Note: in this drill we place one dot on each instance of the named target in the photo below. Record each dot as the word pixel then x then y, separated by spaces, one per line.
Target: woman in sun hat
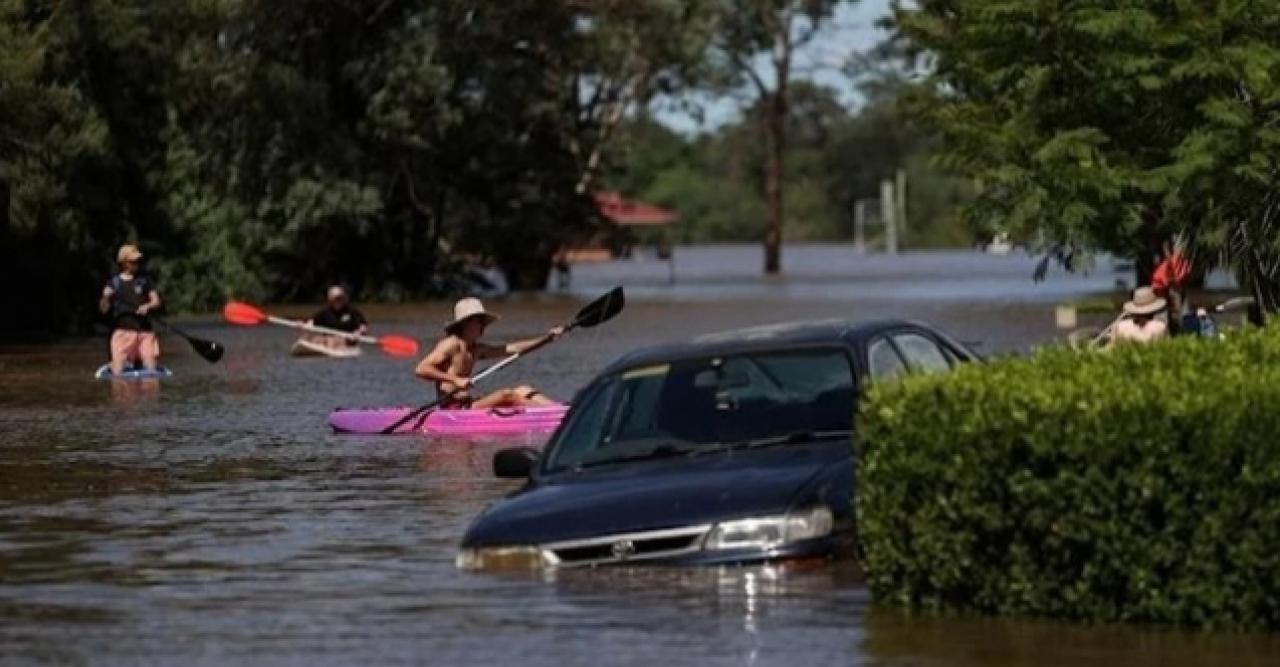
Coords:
pixel 451 362
pixel 1143 322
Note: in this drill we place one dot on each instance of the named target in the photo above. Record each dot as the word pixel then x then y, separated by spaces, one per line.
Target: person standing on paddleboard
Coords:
pixel 129 298
pixel 338 314
pixel 451 362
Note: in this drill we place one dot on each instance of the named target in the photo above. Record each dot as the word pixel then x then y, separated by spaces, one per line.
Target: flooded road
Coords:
pixel 211 518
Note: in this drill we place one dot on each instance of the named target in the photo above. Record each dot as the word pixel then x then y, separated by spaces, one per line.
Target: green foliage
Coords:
pixel 834 158
pixel 261 150
pixel 1114 126
pixel 1141 484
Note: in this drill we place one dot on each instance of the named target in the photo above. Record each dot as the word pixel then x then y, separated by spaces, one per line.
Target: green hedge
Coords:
pixel 1141 484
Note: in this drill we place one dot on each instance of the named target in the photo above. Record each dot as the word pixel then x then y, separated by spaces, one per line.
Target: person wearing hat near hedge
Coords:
pixel 129 298
pixel 1142 324
pixel 451 362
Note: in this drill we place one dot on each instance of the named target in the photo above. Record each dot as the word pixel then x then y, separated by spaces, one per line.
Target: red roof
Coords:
pixel 632 213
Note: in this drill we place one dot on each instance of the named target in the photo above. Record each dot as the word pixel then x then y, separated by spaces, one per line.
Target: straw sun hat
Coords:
pixel 466 309
pixel 1145 301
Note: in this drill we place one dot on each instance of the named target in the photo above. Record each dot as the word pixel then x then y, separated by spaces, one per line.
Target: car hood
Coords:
pixel 665 494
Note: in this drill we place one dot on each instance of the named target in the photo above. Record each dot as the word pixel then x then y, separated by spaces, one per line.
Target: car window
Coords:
pixel 695 404
pixel 923 354
pixel 884 360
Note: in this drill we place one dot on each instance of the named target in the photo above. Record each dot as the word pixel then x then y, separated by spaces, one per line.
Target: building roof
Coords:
pixel 628 213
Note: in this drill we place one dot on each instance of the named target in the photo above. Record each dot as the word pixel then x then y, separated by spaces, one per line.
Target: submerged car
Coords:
pixel 731 448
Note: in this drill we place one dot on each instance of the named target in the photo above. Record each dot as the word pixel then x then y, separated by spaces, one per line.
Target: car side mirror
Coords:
pixel 516 463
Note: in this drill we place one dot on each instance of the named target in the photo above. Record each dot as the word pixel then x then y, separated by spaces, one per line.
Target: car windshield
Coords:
pixel 698 406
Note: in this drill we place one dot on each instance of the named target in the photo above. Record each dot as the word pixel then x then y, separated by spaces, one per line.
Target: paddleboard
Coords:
pixel 540 420
pixel 132 373
pixel 306 348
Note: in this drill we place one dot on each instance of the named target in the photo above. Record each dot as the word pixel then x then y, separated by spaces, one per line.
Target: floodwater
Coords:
pixel 211 518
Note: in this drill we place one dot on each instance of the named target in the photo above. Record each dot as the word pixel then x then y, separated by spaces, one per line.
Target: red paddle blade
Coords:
pixel 398 346
pixel 243 314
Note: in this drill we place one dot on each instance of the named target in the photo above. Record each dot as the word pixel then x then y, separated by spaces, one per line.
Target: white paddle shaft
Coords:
pixel 495 368
pixel 368 340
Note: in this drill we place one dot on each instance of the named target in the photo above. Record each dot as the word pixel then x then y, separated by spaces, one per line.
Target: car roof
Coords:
pixel 765 337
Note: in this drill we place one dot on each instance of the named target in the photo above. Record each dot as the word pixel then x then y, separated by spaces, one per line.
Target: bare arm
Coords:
pixel 104 303
pixel 429 368
pixel 531 344
pixel 486 351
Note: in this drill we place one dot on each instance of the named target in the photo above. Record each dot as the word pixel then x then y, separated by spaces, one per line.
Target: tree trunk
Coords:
pixel 775 140
pixel 526 273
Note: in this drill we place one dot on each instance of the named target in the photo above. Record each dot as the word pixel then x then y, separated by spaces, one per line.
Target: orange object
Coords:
pixel 1172 273
pixel 243 314
pixel 246 315
pixel 398 346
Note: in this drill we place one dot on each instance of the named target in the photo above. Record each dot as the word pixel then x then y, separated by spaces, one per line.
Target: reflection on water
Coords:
pixel 210 518
pixel 133 393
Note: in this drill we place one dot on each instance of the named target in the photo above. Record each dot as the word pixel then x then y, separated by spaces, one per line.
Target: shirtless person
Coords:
pixel 453 359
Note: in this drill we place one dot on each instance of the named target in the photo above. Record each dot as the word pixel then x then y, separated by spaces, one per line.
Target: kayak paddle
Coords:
pixel 244 314
pixel 208 349
pixel 593 314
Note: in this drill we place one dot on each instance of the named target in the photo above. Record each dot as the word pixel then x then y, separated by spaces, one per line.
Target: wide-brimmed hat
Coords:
pixel 1145 301
pixel 128 253
pixel 466 309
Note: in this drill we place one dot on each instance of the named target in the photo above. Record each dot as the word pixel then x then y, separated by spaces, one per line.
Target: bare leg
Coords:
pixel 149 351
pixel 119 352
pixel 519 397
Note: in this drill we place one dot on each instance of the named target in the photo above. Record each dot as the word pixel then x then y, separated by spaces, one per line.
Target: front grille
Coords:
pixel 627 547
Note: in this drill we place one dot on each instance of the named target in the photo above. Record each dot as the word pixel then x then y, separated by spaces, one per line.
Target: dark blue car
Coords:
pixel 730 448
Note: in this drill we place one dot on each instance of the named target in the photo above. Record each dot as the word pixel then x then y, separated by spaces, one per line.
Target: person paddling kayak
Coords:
pixel 451 362
pixel 340 315
pixel 128 299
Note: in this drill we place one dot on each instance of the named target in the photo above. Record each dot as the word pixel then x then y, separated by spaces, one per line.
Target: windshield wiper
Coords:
pixel 657 452
pixel 794 437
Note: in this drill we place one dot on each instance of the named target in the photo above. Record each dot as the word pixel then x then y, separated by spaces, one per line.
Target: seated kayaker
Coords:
pixel 1143 322
pixel 450 364
pixel 340 315
pixel 128 299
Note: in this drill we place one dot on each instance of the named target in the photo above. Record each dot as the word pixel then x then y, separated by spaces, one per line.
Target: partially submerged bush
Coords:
pixel 1141 484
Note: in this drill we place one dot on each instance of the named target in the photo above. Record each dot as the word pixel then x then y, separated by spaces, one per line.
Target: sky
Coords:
pixel 851 31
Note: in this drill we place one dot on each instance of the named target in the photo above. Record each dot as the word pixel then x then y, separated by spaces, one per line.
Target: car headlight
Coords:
pixel 501 558
pixel 771 531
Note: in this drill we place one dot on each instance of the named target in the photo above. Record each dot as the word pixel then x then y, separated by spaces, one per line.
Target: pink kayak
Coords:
pixel 457 423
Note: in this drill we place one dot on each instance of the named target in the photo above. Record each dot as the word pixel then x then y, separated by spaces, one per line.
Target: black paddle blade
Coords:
pixel 601 310
pixel 208 349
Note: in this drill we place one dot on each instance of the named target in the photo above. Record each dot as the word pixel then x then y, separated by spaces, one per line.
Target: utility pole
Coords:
pixel 860 226
pixel 887 206
pixel 901 192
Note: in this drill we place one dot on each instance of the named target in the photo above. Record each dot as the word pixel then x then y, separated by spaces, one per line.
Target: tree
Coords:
pixel 1097 126
pixel 835 156
pixel 778 29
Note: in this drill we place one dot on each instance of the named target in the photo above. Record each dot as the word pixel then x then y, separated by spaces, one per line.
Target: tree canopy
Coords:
pixel 1114 126
pixel 261 150
pixel 835 156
